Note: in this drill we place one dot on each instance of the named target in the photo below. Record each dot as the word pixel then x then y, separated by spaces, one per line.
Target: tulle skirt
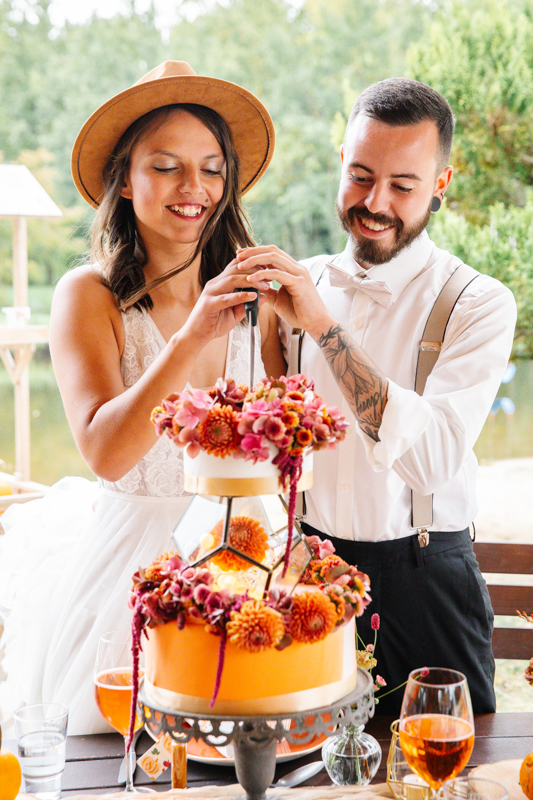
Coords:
pixel 65 573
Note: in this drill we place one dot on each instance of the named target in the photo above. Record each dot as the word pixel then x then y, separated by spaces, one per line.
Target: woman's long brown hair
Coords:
pixel 116 246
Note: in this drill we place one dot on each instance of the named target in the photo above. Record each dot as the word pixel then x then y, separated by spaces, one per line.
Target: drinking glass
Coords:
pixel 436 724
pixel 112 689
pixel 41 731
pixel 474 788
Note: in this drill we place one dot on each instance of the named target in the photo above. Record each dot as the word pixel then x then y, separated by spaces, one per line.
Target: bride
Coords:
pixel 165 162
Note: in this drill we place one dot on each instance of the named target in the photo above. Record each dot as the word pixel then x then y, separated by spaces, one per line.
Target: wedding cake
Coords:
pixel 217 640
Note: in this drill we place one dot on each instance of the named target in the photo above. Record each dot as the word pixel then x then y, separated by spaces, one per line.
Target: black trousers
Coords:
pixel 434 608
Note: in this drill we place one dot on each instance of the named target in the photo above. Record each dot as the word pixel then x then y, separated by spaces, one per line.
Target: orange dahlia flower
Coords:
pixel 290 419
pixel 153 572
pixel 294 395
pixel 304 437
pixel 247 536
pixel 313 617
pixel 218 433
pixel 255 627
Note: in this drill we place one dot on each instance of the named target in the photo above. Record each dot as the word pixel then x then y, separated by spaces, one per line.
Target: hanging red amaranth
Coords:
pixel 290 469
pixel 136 630
pixel 220 666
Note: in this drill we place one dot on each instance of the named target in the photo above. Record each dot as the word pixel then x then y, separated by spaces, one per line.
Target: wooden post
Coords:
pixel 20 261
pixel 22 417
pixel 21 196
pixel 22 382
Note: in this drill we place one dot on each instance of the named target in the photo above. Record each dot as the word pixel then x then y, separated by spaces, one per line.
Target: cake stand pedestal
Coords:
pixel 255 738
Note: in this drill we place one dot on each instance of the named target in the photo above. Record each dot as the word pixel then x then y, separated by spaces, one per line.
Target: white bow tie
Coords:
pixel 379 291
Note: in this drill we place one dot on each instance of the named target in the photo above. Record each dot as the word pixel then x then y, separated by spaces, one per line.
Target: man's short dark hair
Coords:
pixel 402 101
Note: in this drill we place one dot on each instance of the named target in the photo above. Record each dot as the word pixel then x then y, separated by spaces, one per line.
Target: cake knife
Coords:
pixel 252 308
pixel 299 775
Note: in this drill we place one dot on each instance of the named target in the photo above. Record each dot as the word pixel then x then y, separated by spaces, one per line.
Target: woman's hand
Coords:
pixel 220 306
pixel 297 301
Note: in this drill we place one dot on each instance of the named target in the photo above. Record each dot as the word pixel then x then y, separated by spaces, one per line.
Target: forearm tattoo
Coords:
pixel 362 385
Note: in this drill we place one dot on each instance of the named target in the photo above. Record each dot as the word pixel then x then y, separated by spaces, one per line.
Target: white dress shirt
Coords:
pixel 361 490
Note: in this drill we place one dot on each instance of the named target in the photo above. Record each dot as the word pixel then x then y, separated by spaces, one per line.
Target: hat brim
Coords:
pixel 249 121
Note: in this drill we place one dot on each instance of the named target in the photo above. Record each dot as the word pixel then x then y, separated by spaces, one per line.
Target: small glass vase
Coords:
pixel 351 758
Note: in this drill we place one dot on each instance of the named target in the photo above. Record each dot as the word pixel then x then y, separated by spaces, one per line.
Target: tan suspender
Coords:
pixel 428 353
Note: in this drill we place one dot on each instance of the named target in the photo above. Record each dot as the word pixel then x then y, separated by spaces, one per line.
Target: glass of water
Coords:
pixel 474 788
pixel 41 731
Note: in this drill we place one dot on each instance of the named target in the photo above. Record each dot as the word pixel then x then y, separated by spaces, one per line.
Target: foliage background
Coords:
pixel 307 60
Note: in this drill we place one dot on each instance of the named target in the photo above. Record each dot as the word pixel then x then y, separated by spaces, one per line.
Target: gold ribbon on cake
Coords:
pixel 292 702
pixel 241 487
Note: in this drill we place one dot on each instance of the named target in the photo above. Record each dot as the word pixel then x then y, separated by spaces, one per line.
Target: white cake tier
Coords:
pixel 235 477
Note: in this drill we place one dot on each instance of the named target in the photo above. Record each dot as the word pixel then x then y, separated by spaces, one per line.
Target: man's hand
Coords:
pixel 299 304
pixel 297 301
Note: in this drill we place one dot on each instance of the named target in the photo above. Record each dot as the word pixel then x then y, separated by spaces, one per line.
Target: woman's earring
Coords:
pixel 436 204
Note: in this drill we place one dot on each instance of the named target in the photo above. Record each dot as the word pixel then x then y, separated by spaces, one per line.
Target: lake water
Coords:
pixel 54 453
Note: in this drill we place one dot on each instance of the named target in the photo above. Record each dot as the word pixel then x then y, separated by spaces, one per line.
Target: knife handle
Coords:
pixel 251 306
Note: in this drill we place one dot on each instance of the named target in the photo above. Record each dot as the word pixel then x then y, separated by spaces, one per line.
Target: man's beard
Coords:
pixel 371 251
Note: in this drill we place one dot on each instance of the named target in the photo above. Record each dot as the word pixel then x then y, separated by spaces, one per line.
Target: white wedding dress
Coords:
pixel 68 559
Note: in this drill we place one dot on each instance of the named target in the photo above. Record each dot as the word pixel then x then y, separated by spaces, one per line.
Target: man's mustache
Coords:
pixel 380 219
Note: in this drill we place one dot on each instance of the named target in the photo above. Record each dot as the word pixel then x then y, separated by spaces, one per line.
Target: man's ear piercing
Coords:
pixel 436 204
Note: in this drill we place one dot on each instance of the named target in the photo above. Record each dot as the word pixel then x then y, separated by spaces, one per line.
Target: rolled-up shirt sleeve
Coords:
pixel 426 440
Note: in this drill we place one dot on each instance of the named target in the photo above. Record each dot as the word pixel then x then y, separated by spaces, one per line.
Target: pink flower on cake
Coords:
pixel 228 393
pixel 190 439
pixel 274 429
pixel 200 594
pixel 254 447
pixel 320 547
pixel 192 408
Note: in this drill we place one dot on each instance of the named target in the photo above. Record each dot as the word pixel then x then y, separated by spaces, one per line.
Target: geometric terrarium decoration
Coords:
pixel 243 540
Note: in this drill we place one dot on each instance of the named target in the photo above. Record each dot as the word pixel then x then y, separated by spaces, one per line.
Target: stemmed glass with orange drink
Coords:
pixel 112 689
pixel 436 724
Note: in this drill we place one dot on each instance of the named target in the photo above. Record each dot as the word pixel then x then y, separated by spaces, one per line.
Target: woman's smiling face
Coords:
pixel 175 181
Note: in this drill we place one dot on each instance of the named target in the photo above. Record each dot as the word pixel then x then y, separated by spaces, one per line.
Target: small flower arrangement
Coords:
pixel 170 590
pixel 366 658
pixel 232 420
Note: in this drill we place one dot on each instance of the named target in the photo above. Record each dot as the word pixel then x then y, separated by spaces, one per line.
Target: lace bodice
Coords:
pixel 160 472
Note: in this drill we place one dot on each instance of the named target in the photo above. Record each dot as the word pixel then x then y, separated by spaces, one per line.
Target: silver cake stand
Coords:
pixel 255 738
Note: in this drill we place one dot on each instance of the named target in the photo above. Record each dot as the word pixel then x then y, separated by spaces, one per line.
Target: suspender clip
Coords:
pixel 423 536
pixel 430 347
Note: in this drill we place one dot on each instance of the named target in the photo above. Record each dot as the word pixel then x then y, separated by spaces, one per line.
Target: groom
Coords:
pixel 363 312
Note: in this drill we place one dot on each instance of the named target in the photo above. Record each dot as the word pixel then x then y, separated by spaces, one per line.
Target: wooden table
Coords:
pixel 93 761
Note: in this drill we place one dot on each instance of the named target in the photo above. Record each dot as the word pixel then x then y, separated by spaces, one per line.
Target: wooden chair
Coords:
pixel 512 559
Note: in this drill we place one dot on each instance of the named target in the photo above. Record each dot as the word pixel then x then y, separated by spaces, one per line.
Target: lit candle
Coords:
pixel 416 787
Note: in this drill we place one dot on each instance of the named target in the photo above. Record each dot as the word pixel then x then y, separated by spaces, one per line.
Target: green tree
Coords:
pixel 480 56
pixel 299 63
pixel 503 248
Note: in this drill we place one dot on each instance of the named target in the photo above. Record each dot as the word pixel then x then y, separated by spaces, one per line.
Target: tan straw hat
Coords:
pixel 173 82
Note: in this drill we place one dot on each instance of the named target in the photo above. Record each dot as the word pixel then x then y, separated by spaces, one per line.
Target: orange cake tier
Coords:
pixel 180 670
